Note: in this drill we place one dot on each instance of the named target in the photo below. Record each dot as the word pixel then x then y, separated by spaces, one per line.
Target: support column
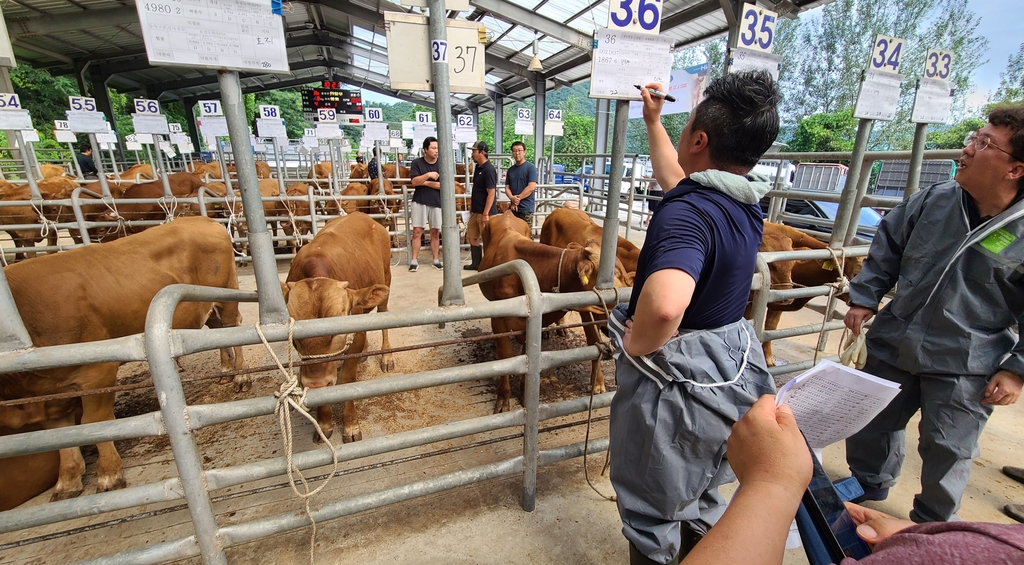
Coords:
pixel 609 237
pixel 600 141
pixel 499 123
pixel 190 121
pixel 539 112
pixel 845 226
pixel 916 161
pixel 451 291
pixel 99 92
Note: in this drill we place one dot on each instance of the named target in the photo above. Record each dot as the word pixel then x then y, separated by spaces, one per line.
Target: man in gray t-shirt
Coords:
pixel 520 182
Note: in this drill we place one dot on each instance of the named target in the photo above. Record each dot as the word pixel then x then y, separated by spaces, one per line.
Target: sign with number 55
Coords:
pixel 641 16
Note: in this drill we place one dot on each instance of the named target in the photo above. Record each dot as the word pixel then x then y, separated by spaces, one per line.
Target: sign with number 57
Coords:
pixel 641 16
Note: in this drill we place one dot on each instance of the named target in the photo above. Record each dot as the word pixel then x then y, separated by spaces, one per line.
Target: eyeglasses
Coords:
pixel 519 151
pixel 982 143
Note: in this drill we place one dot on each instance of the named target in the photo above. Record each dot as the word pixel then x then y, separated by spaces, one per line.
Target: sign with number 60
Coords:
pixel 937 64
pixel 886 54
pixel 374 115
pixel 642 16
pixel 143 106
pixel 757 28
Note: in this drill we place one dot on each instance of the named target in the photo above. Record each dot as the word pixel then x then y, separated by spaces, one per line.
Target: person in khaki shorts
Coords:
pixel 483 204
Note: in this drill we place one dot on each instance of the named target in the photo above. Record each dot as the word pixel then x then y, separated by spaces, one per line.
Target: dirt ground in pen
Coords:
pixel 478 524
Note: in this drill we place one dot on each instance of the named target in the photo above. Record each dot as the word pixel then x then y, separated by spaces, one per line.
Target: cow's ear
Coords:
pixel 285 288
pixel 342 284
pixel 587 269
pixel 370 297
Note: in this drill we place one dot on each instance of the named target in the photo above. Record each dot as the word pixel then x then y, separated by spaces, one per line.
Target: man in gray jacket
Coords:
pixel 955 253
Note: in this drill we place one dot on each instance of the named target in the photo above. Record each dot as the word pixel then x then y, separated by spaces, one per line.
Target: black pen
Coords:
pixel 657 93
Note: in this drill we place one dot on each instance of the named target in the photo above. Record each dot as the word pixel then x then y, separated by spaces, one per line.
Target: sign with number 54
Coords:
pixel 641 16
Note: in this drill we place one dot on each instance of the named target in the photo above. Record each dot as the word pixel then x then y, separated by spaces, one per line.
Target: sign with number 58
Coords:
pixel 641 16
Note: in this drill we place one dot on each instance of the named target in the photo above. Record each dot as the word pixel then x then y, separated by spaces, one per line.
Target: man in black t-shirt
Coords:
pixel 86 163
pixel 483 204
pixel 426 203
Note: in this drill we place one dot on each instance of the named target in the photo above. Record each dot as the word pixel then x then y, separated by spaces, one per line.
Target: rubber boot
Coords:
pixel 477 253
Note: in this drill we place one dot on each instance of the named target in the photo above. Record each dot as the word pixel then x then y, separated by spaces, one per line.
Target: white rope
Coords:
pixel 833 288
pixel 47 224
pixel 291 397
pixel 558 283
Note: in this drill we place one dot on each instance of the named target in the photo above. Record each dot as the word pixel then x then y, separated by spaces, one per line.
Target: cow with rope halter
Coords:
pixel 345 270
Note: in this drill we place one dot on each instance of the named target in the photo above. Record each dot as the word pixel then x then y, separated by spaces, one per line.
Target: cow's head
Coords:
pixel 322 297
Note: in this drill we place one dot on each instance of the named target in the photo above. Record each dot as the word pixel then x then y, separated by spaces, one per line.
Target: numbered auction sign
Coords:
pixel 327 115
pixel 175 128
pixel 143 106
pixel 373 114
pixel 938 64
pixel 757 28
pixel 524 114
pixel 82 103
pixel 395 134
pixel 554 115
pixel 61 124
pixel 886 54
pixel 210 108
pixel 268 112
pixel 9 101
pixel 465 121
pixel 424 118
pixel 641 16
pixel 438 51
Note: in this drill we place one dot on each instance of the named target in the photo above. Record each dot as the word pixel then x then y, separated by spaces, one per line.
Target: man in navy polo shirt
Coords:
pixel 690 365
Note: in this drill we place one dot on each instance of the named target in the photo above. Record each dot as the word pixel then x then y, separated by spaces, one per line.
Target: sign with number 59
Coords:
pixel 641 16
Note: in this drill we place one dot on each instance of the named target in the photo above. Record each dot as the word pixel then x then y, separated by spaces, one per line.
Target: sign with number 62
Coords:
pixel 465 121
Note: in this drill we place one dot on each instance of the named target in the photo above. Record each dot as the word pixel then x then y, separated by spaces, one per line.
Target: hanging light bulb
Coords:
pixel 535 61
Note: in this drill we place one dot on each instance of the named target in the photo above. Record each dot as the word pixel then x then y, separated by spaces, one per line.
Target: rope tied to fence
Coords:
pixel 607 350
pixel 168 209
pixel 834 288
pixel 292 396
pixel 46 223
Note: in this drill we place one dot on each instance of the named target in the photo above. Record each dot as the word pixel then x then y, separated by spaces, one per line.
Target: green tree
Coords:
pixel 952 137
pixel 825 132
pixel 290 103
pixel 578 134
pixel 1011 81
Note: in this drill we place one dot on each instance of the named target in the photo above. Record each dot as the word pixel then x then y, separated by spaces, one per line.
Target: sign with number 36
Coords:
pixel 641 16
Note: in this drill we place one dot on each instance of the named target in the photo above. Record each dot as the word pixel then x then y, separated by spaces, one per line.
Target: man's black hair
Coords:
pixel 740 116
pixel 519 143
pixel 427 141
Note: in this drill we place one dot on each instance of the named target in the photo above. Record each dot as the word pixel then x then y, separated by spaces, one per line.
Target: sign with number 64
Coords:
pixel 554 115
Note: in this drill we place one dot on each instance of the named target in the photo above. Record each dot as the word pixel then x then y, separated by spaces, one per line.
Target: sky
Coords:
pixel 997 24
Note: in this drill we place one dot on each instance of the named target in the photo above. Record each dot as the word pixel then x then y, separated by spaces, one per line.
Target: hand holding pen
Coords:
pixel 652 104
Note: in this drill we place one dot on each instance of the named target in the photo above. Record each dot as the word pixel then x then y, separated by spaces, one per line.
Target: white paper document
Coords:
pixel 831 402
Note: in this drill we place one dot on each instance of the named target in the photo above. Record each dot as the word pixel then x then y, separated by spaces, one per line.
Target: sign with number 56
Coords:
pixel 641 16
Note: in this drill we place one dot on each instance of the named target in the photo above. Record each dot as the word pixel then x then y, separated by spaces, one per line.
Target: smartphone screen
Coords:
pixel 833 522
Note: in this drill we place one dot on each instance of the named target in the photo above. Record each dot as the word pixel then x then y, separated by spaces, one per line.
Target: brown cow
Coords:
pixel 26 476
pixel 50 171
pixel 572 269
pixel 183 185
pixel 106 291
pixel 207 171
pixel 135 173
pixel 272 207
pixel 297 209
pixel 790 274
pixel 358 171
pixel 262 170
pixel 53 188
pixel 345 270
pixel 566 225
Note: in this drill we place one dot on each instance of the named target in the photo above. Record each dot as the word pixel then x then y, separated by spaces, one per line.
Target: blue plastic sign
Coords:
pixel 641 16
pixel 757 28
pixel 887 54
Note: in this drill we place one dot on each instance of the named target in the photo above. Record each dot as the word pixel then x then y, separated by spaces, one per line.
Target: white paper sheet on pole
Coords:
pixel 423 131
pixel 271 128
pixel 15 119
pixel 524 127
pixel 106 147
pixel 179 138
pixel 151 123
pixel 310 141
pixel 133 146
pixel 66 136
pixel 397 143
pixel 375 131
pixel 743 59
pixel 408 129
pixel 464 135
pixel 213 126
pixel 144 138
pixel 932 102
pixel 623 59
pixel 106 137
pixel 329 131
pixel 234 34
pixel 552 127
pixel 879 96
pixel 30 135
pixel 183 147
pixel 86 122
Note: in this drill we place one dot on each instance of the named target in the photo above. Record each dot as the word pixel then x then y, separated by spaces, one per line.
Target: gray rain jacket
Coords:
pixel 958 291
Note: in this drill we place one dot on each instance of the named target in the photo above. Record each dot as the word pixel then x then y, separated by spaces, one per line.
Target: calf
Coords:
pixel 53 188
pixel 105 293
pixel 802 273
pixel 345 270
pixel 572 269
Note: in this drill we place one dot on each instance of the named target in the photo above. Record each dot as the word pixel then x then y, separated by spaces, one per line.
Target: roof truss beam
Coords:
pixel 518 15
pixel 80 21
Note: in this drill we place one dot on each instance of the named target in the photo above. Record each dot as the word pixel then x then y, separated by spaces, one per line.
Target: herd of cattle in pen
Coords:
pixel 345 269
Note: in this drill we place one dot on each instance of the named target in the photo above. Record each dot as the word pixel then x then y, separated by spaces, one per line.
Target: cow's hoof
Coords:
pixel 356 435
pixel 327 434
pixel 66 493
pixel 242 385
pixel 225 380
pixel 112 482
pixel 387 363
pixel 501 406
pixel 598 389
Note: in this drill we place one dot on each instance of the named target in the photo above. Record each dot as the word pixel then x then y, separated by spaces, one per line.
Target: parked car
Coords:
pixel 868 223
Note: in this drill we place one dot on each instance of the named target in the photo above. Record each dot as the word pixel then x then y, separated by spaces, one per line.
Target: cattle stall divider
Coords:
pixel 160 346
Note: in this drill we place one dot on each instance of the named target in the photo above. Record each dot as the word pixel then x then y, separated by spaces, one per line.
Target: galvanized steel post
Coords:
pixel 849 200
pixel 98 161
pixel 272 307
pixel 610 233
pixel 451 294
pixel 30 176
pixel 161 168
pixel 916 160
pixel 174 408
pixel 499 123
